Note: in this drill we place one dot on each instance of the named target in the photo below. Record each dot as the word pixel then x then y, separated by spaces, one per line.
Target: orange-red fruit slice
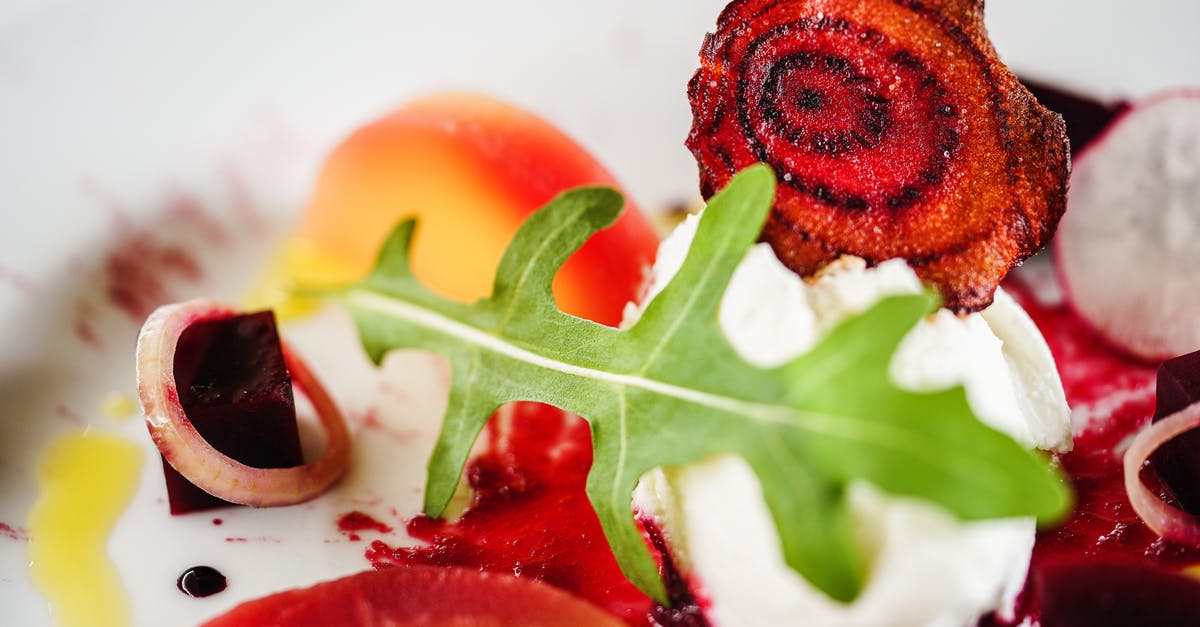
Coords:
pixel 471 169
pixel 419 595
pixel 895 132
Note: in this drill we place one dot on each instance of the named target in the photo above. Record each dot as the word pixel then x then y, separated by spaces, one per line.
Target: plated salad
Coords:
pixel 826 397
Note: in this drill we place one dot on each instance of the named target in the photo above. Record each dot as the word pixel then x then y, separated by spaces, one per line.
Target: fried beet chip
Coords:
pixel 895 132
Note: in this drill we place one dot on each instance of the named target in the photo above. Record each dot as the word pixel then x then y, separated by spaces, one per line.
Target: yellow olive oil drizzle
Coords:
pixel 86 480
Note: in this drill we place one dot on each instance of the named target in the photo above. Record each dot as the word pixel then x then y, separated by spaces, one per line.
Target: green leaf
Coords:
pixel 671 390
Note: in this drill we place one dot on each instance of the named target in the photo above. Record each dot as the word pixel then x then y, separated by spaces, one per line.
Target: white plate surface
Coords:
pixel 116 117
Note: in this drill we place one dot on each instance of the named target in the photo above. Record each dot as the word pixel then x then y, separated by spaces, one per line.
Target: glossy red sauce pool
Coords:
pixel 530 516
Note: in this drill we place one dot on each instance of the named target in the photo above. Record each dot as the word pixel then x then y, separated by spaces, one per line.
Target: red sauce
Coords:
pixel 530 516
pixel 139 272
pixel 17 281
pixel 85 331
pixel 70 415
pixel 13 533
pixel 1112 397
pixel 182 208
pixel 144 267
pixel 351 523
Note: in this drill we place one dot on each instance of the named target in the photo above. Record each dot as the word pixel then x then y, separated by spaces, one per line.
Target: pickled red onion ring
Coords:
pixel 190 454
pixel 1168 521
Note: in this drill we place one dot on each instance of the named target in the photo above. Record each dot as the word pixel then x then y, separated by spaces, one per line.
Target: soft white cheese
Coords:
pixel 926 567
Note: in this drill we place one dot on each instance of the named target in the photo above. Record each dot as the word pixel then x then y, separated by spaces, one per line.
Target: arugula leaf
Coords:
pixel 671 390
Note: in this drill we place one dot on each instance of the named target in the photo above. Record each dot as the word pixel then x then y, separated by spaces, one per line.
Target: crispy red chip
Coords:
pixel 894 130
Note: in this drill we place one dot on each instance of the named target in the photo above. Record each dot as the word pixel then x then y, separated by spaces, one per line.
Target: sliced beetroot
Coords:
pixel 234 387
pixel 1128 246
pixel 895 131
pixel 1087 593
pixel 1086 117
pixel 1178 462
pixel 420 595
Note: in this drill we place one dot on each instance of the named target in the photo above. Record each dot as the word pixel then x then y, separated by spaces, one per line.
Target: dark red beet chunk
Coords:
pixel 1178 462
pixel 1087 593
pixel 236 390
pixel 1086 118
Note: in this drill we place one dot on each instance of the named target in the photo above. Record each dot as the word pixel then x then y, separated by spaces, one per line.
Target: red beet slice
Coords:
pixel 1087 593
pixel 895 130
pixel 1128 246
pixel 1178 462
pixel 235 388
pixel 420 595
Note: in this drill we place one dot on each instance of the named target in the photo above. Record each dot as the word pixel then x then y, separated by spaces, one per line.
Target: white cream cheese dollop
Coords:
pixel 925 568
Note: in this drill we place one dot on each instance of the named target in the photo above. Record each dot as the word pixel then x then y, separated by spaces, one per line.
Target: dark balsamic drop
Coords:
pixel 201 581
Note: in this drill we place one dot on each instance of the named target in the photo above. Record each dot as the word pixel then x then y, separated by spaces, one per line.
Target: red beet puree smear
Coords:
pixel 351 523
pixel 1102 555
pixel 530 516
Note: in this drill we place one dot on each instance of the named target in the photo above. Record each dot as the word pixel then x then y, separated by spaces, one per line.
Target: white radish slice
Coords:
pixel 190 454
pixel 1128 248
pixel 1168 521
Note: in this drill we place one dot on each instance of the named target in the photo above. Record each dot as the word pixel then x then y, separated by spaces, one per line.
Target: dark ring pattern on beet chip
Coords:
pixel 894 130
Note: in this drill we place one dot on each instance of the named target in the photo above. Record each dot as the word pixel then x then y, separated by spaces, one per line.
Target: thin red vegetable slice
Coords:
pixel 1168 521
pixel 425 596
pixel 190 454
pixel 895 130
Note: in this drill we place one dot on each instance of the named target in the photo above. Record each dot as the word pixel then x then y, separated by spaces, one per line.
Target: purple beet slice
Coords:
pixel 1178 462
pixel 235 388
pixel 1087 593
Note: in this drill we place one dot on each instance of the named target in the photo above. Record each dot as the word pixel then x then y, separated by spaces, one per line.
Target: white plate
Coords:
pixel 114 118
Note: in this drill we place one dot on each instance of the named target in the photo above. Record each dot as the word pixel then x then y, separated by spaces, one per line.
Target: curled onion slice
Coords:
pixel 1168 521
pixel 189 453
